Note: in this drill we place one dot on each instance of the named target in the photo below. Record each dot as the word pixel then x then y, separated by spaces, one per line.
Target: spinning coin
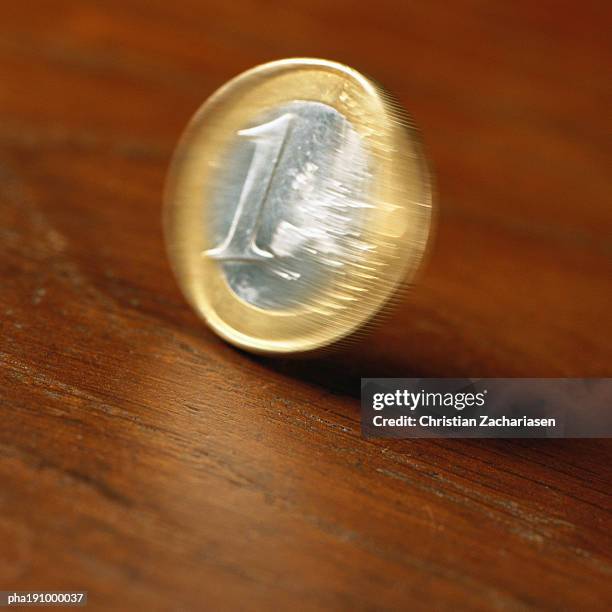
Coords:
pixel 297 206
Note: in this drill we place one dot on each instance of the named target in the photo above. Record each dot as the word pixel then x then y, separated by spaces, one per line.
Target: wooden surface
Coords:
pixel 146 461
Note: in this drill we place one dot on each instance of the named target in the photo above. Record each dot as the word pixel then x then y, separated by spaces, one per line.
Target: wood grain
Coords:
pixel 147 462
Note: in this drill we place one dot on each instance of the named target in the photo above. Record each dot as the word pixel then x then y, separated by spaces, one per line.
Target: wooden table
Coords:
pixel 146 461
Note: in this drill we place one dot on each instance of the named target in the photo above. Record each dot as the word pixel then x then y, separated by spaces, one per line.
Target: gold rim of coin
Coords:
pixel 397 226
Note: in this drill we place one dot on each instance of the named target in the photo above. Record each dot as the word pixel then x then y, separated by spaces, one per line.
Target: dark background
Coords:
pixel 146 461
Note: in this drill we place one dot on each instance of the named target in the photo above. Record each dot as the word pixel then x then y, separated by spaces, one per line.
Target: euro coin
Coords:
pixel 298 205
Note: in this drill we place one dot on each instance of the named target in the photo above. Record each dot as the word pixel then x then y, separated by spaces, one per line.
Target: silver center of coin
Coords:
pixel 287 211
